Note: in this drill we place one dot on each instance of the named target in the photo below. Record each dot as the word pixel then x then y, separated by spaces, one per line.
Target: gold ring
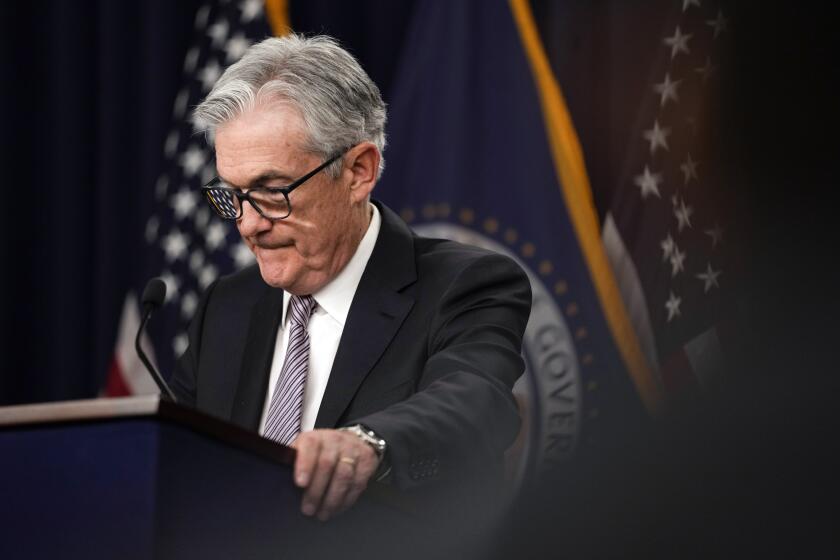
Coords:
pixel 349 460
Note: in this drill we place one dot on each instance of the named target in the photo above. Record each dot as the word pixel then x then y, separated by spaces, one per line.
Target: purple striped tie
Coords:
pixel 283 422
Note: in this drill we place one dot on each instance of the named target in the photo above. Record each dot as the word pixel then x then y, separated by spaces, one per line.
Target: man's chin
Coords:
pixel 272 273
pixel 273 278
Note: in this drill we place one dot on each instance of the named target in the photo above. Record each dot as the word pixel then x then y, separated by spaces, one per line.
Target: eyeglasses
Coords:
pixel 271 202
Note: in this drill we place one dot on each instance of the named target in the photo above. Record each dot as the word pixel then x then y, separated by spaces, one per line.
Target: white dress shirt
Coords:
pixel 325 328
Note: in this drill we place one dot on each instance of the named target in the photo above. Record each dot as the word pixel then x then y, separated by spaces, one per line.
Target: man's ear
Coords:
pixel 362 160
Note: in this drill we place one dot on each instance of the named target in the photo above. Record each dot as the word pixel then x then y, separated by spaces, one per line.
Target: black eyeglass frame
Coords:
pixel 246 196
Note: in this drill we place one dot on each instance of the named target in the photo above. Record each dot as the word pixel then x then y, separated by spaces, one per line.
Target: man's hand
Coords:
pixel 333 467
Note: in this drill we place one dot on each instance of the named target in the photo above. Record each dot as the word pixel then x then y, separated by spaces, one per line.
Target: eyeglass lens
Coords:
pixel 272 205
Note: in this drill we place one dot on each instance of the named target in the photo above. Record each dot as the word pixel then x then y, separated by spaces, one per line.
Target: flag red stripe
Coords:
pixel 115 385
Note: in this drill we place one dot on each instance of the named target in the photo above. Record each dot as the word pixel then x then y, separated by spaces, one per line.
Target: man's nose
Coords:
pixel 252 222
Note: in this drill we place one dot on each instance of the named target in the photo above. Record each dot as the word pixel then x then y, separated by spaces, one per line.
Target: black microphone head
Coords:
pixel 154 293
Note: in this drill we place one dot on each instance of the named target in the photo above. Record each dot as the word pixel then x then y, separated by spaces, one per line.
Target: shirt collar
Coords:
pixel 335 298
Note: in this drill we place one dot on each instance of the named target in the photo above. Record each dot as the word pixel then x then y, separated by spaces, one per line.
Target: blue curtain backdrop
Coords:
pixel 87 101
pixel 87 92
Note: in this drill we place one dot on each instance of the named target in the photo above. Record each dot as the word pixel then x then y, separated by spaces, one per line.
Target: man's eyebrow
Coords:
pixel 262 178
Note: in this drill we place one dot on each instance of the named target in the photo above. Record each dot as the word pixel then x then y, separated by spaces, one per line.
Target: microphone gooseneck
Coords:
pixel 153 295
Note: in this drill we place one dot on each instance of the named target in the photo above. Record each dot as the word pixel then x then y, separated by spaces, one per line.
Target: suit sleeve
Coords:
pixel 463 414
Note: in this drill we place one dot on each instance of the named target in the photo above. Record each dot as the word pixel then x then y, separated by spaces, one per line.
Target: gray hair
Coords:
pixel 339 103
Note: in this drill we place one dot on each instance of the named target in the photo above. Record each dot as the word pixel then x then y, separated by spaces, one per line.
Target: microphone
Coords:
pixel 153 295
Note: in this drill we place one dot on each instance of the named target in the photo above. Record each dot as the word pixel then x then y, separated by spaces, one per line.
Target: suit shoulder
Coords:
pixel 444 256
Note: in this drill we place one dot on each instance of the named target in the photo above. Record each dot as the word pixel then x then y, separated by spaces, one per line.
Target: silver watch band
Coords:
pixel 370 437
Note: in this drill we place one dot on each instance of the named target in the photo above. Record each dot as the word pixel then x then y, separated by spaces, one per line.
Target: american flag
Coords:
pixel 668 221
pixel 186 244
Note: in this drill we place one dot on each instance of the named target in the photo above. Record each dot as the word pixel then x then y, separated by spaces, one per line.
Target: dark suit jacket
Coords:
pixel 427 358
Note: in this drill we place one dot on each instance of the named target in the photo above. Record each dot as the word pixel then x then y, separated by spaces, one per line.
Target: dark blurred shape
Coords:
pixel 749 472
pixel 748 468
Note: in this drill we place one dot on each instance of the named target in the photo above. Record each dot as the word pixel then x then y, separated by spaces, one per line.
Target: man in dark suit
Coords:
pixel 375 353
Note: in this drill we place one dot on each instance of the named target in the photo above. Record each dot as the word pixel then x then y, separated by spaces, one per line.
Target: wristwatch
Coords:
pixel 370 437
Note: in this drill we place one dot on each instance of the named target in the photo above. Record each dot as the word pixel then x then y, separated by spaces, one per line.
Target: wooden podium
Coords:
pixel 145 478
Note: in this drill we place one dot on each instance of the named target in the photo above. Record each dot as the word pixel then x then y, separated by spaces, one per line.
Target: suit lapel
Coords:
pixel 377 311
pixel 256 361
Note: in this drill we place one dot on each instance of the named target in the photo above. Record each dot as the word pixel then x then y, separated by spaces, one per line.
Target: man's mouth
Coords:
pixel 273 246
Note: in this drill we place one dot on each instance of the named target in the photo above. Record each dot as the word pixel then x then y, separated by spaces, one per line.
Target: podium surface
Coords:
pixel 142 477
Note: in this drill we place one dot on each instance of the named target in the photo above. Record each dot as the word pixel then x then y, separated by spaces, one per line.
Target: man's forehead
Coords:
pixel 259 141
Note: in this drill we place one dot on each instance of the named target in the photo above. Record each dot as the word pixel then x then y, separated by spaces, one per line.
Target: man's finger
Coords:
pixel 343 480
pixel 365 467
pixel 324 465
pixel 308 448
pixel 364 473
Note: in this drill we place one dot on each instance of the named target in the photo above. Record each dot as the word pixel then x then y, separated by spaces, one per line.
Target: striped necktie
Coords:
pixel 283 422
